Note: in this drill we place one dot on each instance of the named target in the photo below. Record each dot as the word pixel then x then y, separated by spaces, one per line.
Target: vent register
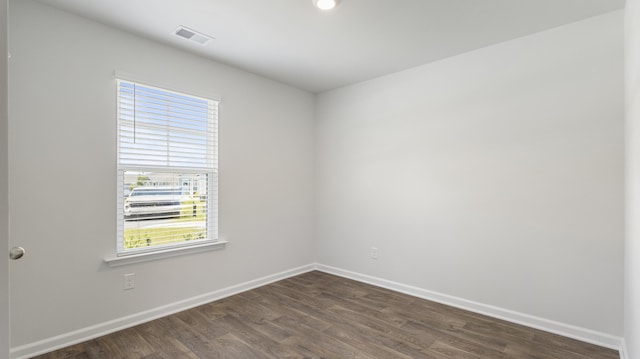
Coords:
pixel 193 35
pixel 202 39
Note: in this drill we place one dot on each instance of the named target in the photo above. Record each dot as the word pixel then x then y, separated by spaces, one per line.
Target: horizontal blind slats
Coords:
pixel 127 87
pixel 144 116
pixel 163 128
pixel 171 138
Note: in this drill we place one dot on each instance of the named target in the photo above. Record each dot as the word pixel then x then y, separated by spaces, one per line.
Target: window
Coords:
pixel 167 169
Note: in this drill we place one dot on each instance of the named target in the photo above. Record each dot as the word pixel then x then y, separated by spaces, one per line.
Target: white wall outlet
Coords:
pixel 374 253
pixel 129 281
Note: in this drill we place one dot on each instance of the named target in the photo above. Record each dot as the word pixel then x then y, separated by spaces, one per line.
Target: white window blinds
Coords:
pixel 167 168
pixel 161 128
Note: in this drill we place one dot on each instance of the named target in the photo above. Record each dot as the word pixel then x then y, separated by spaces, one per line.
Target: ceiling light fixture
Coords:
pixel 325 4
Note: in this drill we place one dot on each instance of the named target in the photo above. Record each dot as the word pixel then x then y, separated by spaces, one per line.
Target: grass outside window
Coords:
pixel 190 225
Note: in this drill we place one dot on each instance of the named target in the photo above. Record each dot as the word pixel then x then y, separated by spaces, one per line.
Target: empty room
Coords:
pixel 320 179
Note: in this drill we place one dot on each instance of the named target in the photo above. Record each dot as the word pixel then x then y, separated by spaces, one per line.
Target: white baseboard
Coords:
pixel 624 354
pixel 95 331
pixel 567 330
pixel 81 335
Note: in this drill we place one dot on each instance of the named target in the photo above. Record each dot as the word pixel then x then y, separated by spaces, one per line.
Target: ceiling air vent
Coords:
pixel 192 35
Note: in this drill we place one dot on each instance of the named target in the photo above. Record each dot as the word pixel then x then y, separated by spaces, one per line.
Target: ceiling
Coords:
pixel 293 42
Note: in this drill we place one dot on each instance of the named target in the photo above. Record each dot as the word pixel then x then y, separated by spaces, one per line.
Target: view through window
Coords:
pixel 167 169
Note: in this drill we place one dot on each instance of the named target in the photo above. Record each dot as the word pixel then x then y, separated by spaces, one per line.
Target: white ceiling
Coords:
pixel 295 43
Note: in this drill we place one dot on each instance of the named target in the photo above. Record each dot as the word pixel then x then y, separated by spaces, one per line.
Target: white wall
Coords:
pixel 62 174
pixel 632 250
pixel 495 176
pixel 4 186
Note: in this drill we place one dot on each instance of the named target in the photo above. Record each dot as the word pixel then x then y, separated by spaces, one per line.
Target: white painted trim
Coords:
pixel 88 333
pixel 81 335
pixel 567 330
pixel 197 92
pixel 624 354
pixel 166 253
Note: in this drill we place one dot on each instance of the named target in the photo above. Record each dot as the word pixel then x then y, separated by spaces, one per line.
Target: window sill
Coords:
pixel 167 253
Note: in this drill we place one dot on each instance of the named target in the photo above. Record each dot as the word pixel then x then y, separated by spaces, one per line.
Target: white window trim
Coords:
pixel 166 253
pixel 122 75
pixel 117 259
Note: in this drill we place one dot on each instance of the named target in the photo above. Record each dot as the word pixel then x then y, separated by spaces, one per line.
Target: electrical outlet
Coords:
pixel 129 281
pixel 374 253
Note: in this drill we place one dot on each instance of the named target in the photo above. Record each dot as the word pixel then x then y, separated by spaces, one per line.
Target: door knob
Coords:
pixel 16 253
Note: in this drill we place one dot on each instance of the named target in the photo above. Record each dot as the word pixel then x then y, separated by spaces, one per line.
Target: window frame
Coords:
pixel 212 240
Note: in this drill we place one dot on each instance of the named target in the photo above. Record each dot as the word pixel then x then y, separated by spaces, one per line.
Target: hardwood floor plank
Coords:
pixel 161 337
pixel 385 315
pixel 448 351
pixel 249 333
pixel 572 345
pixel 234 347
pixel 68 352
pixel 122 344
pixel 382 345
pixel 328 344
pixel 307 349
pixel 375 325
pixel 197 326
pixel 369 346
pixel 318 315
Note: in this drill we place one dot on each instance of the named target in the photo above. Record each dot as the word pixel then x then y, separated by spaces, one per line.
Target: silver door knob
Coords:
pixel 16 253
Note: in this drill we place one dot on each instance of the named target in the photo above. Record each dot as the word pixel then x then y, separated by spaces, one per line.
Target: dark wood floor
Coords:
pixel 317 315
